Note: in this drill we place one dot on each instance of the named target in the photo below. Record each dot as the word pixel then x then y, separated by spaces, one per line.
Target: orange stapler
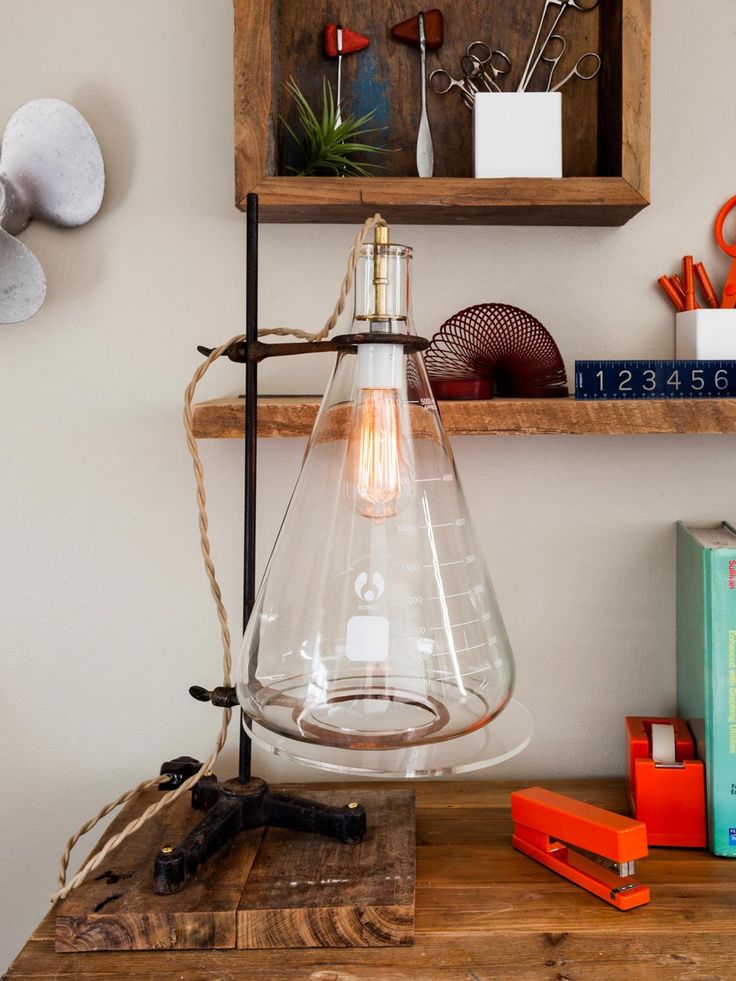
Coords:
pixel 593 848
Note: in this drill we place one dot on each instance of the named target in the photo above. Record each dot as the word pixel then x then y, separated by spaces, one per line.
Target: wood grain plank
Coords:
pixel 118 909
pixel 277 416
pixel 306 891
pixel 253 79
pixel 636 121
pixel 597 201
pixel 291 417
pixel 534 417
pixel 614 952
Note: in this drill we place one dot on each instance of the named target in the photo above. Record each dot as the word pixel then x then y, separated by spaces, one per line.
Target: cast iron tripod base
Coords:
pixel 233 807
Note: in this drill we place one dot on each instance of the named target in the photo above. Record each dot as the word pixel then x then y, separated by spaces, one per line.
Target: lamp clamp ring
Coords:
pixel 257 351
pixel 408 341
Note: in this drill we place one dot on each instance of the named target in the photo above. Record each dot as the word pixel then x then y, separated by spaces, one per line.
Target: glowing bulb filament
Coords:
pixel 376 468
pixel 378 478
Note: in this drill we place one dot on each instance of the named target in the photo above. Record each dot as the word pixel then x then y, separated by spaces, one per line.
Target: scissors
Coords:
pixel 577 72
pixel 536 52
pixel 478 63
pixel 441 81
pixel 728 300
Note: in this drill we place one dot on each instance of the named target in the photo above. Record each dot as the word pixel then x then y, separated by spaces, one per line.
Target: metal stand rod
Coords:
pixel 245 802
pixel 251 450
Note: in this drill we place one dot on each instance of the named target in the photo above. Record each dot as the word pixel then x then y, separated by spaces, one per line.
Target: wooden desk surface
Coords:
pixel 483 911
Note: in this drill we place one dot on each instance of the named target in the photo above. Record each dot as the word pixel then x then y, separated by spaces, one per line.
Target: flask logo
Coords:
pixel 369 590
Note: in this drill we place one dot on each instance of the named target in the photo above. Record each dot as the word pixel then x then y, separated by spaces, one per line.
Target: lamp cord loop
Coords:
pixel 97 858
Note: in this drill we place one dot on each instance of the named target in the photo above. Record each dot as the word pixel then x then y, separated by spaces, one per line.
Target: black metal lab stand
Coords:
pixel 245 802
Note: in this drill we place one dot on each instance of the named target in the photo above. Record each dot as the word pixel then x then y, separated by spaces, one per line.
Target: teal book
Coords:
pixel 706 666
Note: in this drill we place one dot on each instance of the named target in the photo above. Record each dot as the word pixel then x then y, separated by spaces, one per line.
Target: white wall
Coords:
pixel 106 616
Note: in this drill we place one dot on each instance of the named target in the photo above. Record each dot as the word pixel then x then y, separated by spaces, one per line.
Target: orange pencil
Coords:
pixel 672 293
pixel 709 294
pixel 677 283
pixel 688 282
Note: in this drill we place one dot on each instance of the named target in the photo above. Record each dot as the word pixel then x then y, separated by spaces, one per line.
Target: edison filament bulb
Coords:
pixel 379 472
pixel 376 645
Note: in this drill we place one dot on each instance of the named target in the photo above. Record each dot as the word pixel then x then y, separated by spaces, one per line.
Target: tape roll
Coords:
pixel 663 743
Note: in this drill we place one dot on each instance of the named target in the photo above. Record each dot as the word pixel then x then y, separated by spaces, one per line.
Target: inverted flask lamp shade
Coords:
pixel 376 645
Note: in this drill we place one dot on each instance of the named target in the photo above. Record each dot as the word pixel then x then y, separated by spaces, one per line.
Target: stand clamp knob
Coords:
pixel 221 697
pixel 178 771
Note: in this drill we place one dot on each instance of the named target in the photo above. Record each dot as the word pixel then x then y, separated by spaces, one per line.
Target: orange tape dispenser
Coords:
pixel 593 848
pixel 666 781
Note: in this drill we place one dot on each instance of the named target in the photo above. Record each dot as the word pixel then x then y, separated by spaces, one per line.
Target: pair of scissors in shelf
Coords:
pixel 728 300
pixel 483 63
pixel 535 55
pixel 579 71
pixel 441 82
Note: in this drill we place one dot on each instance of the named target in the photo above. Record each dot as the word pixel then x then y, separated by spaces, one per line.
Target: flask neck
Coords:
pixel 382 297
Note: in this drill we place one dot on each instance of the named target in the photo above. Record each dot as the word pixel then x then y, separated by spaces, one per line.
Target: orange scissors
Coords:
pixel 728 301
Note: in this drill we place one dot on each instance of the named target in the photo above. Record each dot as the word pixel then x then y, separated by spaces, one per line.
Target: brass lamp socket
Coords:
pixel 380 269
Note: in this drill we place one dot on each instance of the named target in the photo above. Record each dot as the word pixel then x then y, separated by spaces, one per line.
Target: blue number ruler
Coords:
pixel 655 379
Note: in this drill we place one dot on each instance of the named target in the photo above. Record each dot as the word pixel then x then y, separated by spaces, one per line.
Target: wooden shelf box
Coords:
pixel 606 121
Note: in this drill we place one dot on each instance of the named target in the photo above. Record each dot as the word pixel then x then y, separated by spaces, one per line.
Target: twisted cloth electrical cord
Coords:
pixel 167 799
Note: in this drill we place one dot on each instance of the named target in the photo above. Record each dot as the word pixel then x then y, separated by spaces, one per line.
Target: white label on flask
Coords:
pixel 367 639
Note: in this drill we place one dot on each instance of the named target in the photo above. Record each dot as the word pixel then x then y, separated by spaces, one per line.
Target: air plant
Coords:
pixel 328 148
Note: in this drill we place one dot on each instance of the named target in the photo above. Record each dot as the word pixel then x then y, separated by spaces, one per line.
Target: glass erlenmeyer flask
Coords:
pixel 376 637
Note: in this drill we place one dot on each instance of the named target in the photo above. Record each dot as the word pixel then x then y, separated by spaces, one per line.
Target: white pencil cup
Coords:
pixel 705 335
pixel 518 134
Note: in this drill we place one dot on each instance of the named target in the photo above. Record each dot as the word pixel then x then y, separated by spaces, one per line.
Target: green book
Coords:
pixel 706 666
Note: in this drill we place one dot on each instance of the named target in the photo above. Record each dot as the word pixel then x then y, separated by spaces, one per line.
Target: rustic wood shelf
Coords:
pixel 599 201
pixel 294 416
pixel 483 910
pixel 606 121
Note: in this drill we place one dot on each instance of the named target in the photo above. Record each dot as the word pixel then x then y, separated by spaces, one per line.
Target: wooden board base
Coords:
pixel 270 888
pixel 308 891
